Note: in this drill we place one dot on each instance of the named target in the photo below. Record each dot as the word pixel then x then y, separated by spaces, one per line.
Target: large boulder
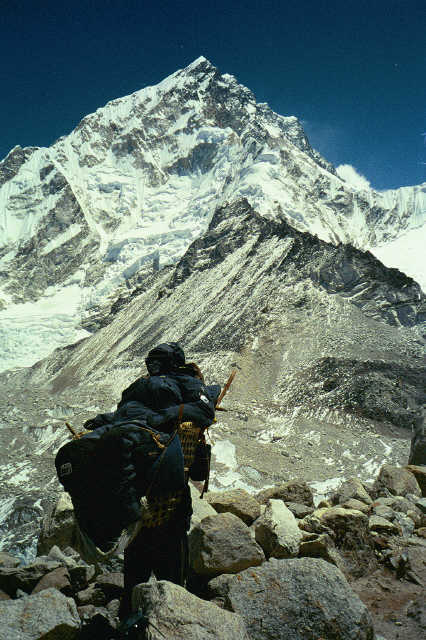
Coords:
pixel 350 526
pixel 222 544
pixel 8 561
pixel 277 531
pixel 25 578
pixel 92 595
pixel 322 546
pixel 201 508
pixel 294 600
pixel 294 491
pixel 236 501
pixel 419 472
pixel 58 527
pixel 48 614
pixel 396 481
pixel 417 454
pixel 352 488
pixel 381 525
pixel 353 503
pixel 79 571
pixel 176 614
pixel 57 579
pixel 111 583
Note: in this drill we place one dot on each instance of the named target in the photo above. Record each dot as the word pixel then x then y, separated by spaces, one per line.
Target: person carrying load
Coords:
pixel 170 407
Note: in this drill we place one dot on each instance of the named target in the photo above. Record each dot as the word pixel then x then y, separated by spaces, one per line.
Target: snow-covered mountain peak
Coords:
pixel 139 180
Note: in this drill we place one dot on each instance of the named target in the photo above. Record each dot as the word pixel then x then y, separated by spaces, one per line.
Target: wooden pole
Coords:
pixel 226 387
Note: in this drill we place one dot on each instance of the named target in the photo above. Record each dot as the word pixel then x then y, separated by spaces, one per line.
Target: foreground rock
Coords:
pixel 58 527
pixel 236 501
pixel 8 561
pixel 396 481
pixel 277 531
pixel 201 508
pixel 48 614
pixel 25 578
pixel 351 489
pixel 222 544
pixel 419 472
pixel 176 614
pixel 294 491
pixel 295 600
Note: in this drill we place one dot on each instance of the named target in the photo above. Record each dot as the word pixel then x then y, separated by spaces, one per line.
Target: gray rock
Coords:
pixel 277 531
pixel 295 491
pixel 406 524
pixel 353 503
pixel 222 544
pixel 112 584
pixel 419 472
pixel 352 488
pixel 403 505
pixel 48 614
pixel 388 501
pixel 294 600
pixel 80 572
pixel 57 579
pixel 56 553
pixel 321 547
pixel 384 512
pixel 92 595
pixel 25 578
pixel 236 501
pixel 58 527
pixel 113 607
pixel 80 575
pixel 86 611
pixel 417 454
pixel 415 517
pixel 397 480
pixel 176 614
pixel 381 525
pixel 349 526
pixel 97 623
pixel 7 560
pixel 299 510
pixel 421 504
pixel 201 508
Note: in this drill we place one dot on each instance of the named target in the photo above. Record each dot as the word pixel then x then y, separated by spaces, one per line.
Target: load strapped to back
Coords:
pixel 108 470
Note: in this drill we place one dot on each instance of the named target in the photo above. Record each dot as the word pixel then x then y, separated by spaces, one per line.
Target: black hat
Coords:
pixel 165 358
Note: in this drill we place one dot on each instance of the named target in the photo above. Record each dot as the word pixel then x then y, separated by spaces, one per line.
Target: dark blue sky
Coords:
pixel 353 71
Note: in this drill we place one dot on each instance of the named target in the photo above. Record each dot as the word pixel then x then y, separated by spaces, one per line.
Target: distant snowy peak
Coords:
pixel 139 180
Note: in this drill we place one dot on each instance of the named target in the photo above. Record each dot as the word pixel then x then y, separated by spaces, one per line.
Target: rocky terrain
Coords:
pixel 261 567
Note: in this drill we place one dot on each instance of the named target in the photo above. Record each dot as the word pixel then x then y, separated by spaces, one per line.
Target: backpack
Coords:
pixel 108 470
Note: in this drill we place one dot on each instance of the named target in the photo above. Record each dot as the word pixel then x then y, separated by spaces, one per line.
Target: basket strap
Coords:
pixel 180 414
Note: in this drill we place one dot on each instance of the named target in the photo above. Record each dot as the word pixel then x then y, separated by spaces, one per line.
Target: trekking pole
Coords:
pixel 226 387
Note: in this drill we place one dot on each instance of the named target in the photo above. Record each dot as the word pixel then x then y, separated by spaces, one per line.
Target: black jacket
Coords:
pixel 156 400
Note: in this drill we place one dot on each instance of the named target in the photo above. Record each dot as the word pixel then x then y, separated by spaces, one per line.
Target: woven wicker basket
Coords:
pixel 157 511
pixel 189 436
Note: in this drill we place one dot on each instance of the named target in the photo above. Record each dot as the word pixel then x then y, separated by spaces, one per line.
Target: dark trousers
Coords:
pixel 162 550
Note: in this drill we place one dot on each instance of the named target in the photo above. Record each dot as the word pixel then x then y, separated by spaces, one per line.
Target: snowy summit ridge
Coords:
pixel 139 180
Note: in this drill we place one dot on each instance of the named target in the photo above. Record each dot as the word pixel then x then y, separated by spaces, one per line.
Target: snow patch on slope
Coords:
pixel 30 331
pixel 409 252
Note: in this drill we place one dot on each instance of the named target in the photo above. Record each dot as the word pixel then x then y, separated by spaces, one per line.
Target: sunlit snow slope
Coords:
pixel 138 180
